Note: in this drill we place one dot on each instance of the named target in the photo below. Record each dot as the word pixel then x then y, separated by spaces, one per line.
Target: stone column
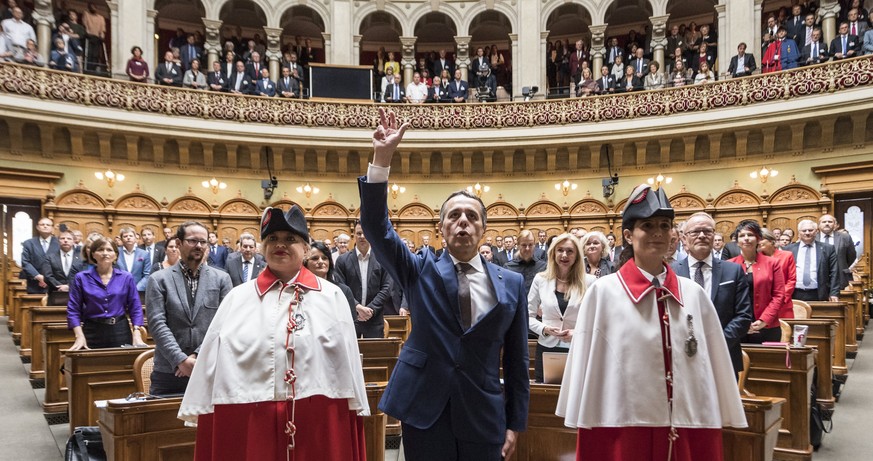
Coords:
pixel 45 23
pixel 462 55
pixel 659 38
pixel 829 10
pixel 516 86
pixel 724 44
pixel 213 44
pixel 598 47
pixel 328 45
pixel 274 50
pixel 407 58
pixel 150 45
pixel 756 30
pixel 116 61
pixel 544 75
pixel 356 49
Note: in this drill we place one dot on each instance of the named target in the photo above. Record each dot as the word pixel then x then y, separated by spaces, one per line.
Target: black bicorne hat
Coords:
pixel 274 220
pixel 645 202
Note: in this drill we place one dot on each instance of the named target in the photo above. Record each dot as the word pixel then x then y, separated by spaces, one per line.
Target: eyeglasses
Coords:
pixel 697 232
pixel 195 242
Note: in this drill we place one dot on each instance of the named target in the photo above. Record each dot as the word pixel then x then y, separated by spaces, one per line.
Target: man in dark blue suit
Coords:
pixel 446 387
pixel 34 252
pixel 265 86
pixel 458 89
pixel 217 253
pixel 133 259
pixel 189 52
pixel 722 280
pixel 817 270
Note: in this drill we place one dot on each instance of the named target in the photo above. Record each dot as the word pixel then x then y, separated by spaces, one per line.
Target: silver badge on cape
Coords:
pixel 691 341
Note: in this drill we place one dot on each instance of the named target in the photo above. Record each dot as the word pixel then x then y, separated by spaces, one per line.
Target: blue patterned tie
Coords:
pixel 807 259
pixel 246 271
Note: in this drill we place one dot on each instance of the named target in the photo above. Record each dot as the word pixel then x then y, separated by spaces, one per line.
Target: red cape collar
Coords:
pixel 637 285
pixel 267 280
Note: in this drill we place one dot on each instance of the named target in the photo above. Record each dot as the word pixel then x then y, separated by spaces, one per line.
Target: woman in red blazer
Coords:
pixel 767 245
pixel 764 275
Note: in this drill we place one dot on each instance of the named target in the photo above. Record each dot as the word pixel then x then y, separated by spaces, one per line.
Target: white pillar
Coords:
pixel 328 46
pixel 756 29
pixel 274 50
pixel 528 60
pixel 338 42
pixel 659 40
pixel 462 55
pixel 724 40
pixel 150 43
pixel 598 47
pixel 45 22
pixel 213 43
pixel 407 58
pixel 117 58
pixel 738 22
pixel 829 10
pixel 516 76
pixel 356 49
pixel 129 30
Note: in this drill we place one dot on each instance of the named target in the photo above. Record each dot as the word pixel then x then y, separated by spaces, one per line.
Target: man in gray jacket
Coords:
pixel 182 300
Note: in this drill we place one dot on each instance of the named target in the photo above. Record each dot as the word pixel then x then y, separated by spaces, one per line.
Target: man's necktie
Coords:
pixel 245 276
pixel 698 273
pixel 396 92
pixel 854 29
pixel 844 46
pixel 807 259
pixel 827 239
pixel 66 263
pixel 815 51
pixel 149 251
pixel 44 244
pixel 465 300
pixel 808 35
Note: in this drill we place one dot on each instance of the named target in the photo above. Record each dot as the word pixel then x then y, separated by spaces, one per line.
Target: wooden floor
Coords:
pixel 27 437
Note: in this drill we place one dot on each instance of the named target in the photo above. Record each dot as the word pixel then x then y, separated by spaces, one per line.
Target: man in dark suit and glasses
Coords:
pixel 155 251
pixel 446 388
pixel 182 300
pixel 817 273
pixel 369 282
pixel 61 266
pixel 723 281
pixel 844 247
pixel 245 264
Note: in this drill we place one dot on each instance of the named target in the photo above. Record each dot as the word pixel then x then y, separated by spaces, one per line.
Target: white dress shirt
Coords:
pixel 416 93
pixel 364 266
pixel 18 32
pixel 128 258
pixel 482 295
pixel 813 267
pixel 707 272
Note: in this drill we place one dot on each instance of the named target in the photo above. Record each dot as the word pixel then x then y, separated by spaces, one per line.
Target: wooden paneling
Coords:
pixel 39 318
pixel 838 311
pixel 821 335
pixel 55 339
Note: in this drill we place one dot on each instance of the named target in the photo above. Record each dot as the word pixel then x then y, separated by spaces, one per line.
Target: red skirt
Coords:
pixel 647 443
pixel 326 431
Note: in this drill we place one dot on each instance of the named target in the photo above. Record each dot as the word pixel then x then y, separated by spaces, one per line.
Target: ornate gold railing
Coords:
pixel 119 94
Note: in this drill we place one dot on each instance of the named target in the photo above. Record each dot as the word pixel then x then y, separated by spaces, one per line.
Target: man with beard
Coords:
pixel 182 300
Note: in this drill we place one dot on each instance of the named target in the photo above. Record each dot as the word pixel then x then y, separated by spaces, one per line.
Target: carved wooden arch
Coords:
pixel 588 206
pixel 330 208
pixel 190 204
pixel 137 202
pixel 726 228
pixel 782 222
pixel 285 204
pixel 543 208
pixel 240 207
pixel 793 193
pixel 737 197
pixel 416 210
pixel 687 201
pixel 80 198
pixel 501 209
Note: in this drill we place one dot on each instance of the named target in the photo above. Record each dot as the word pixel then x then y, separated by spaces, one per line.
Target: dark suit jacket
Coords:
pixel 750 63
pixel 246 86
pixel 253 72
pixel 458 90
pixel 609 87
pixel 476 63
pixel 217 258
pixel 621 86
pixel 844 247
pixel 438 67
pixel 175 73
pixel 158 254
pixel 635 61
pixel 438 94
pixel 821 56
pixel 33 261
pixel 347 271
pixel 53 269
pixel 178 327
pixel 730 250
pixel 186 56
pixel 291 86
pixel 501 258
pixel 852 44
pixel 216 78
pixel 730 295
pixel 389 93
pixel 265 87
pixel 440 363
pixel 826 267
pixel 233 266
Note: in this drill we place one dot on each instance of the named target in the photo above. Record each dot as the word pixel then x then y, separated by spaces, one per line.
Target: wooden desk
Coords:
pixel 860 323
pixel 39 318
pixel 13 283
pixel 380 352
pixel 546 437
pixel 21 330
pixel 769 376
pixel 15 294
pixel 146 431
pixel 838 311
pixel 821 336
pixel 56 339
pixel 98 374
pixel 756 442
pixel 399 326
pixel 375 425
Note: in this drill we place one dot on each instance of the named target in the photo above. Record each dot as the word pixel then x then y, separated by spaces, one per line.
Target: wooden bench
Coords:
pixel 39 318
pixel 21 330
pixel 14 293
pixel 97 374
pixel 857 290
pixel 56 338
pixel 13 283
pixel 399 326
pixel 769 376
pixel 547 438
pixel 379 352
pixel 821 335
pixel 838 311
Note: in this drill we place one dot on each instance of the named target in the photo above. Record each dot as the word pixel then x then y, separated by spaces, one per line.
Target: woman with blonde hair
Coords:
pixel 595 248
pixel 557 293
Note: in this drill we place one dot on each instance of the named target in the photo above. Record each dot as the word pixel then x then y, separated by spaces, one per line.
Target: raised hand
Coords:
pixel 386 138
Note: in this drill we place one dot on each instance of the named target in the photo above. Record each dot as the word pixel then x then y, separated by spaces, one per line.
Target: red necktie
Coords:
pixel 854 31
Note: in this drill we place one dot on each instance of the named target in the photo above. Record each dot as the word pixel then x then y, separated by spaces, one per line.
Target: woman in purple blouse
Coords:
pixel 101 301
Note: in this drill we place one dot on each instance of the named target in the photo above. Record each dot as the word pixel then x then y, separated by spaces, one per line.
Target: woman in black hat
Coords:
pixel 648 375
pixel 279 372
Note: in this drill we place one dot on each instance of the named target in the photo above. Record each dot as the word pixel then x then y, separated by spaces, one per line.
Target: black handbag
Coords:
pixel 818 416
pixel 85 444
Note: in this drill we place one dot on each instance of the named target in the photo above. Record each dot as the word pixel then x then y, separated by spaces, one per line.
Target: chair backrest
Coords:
pixel 142 370
pixel 802 310
pixel 385 326
pixel 787 332
pixel 741 383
